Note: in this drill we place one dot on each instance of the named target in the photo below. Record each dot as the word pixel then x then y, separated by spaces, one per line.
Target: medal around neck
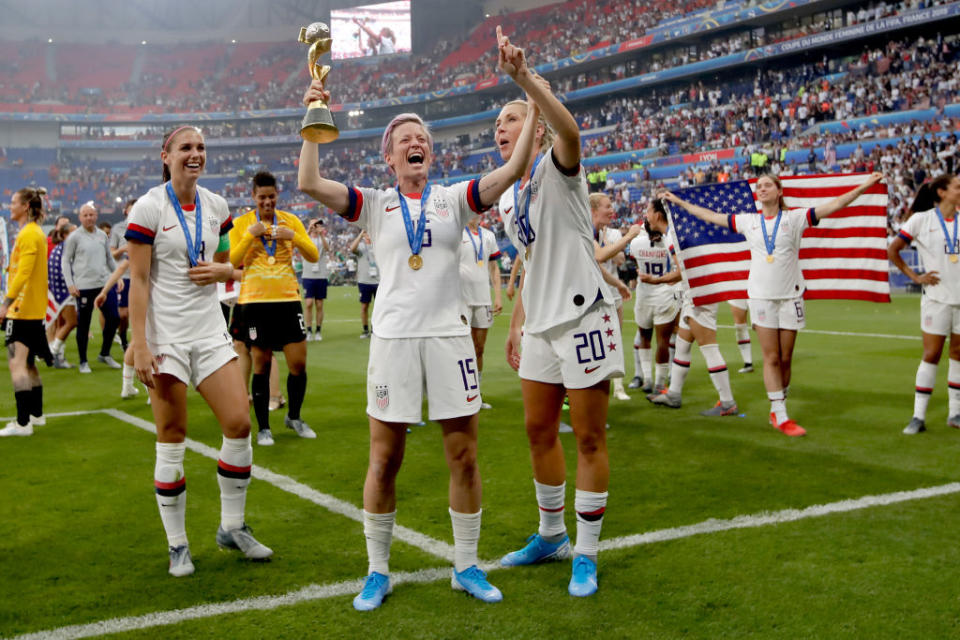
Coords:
pixel 415 238
pixel 271 247
pixel 952 243
pixel 770 241
pixel 193 250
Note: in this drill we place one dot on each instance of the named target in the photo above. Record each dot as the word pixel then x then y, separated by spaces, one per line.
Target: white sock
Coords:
pixel 680 367
pixel 590 508
pixel 56 347
pixel 466 537
pixel 637 367
pixel 743 343
pixel 953 390
pixel 926 379
pixel 550 501
pixel 171 488
pixel 778 405
pixel 618 385
pixel 646 363
pixel 378 530
pixel 128 373
pixel 660 374
pixel 719 375
pixel 233 475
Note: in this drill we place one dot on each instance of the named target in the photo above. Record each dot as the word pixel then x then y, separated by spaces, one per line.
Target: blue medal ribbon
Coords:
pixel 770 241
pixel 270 248
pixel 193 250
pixel 415 239
pixel 477 247
pixel 951 242
pixel 525 233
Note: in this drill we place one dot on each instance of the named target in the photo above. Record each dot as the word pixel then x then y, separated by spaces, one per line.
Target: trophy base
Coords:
pixel 318 125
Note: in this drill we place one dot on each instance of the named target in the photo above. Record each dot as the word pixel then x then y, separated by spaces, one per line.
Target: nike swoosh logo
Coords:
pixel 508 210
pixel 389 209
pixel 472 398
pixel 590 370
pixel 170 227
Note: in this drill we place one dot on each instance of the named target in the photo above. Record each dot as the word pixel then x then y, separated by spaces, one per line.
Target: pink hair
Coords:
pixel 386 144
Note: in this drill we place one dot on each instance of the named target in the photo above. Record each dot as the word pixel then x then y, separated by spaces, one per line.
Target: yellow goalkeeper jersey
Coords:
pixel 263 281
pixel 28 274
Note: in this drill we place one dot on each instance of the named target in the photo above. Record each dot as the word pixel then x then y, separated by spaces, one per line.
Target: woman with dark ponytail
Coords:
pixel 23 311
pixel 932 228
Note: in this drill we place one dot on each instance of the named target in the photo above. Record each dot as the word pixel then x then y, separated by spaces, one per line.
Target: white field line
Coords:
pixel 286 483
pixel 318 592
pixel 851 334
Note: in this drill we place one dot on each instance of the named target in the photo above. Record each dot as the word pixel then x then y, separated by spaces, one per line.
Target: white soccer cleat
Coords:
pixel 300 427
pixel 265 438
pixel 38 421
pixel 129 392
pixel 109 361
pixel 241 539
pixel 14 429
pixel 84 367
pixel 181 564
pixel 620 394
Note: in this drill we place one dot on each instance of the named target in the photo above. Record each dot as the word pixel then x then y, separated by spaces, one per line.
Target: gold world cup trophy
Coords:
pixel 317 125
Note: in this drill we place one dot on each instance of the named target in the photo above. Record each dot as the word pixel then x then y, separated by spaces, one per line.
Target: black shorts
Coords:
pixel 238 327
pixel 32 335
pixel 367 291
pixel 273 325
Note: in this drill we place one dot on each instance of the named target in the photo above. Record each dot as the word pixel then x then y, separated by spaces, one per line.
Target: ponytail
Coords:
pixel 33 197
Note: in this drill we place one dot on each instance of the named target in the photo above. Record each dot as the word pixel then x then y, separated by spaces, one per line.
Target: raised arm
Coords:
pixel 303 242
pixel 604 253
pixel 330 193
pixel 355 245
pixel 512 62
pixel 700 212
pixel 566 149
pixel 842 201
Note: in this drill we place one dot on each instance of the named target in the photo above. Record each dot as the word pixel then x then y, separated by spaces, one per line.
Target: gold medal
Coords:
pixel 415 262
pixel 271 260
pixel 480 263
pixel 953 257
pixel 769 258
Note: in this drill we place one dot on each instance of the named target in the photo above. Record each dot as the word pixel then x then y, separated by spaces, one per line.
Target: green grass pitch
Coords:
pixel 81 540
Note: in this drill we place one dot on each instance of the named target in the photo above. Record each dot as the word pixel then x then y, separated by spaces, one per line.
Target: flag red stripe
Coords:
pixel 799 191
pixel 720 296
pixel 858 211
pixel 713 258
pixel 846 294
pixel 849 232
pixel 853 274
pixel 812 253
pixel 713 278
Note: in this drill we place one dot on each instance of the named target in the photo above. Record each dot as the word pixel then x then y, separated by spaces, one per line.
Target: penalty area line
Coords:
pixel 317 592
pixel 416 539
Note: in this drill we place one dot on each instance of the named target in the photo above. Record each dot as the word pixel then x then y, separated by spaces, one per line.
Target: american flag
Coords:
pixel 57 292
pixel 843 258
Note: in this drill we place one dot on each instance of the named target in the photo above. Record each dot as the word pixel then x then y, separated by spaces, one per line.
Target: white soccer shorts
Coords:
pixel 656 309
pixel 401 369
pixel 787 313
pixel 480 316
pixel 192 362
pixel 939 318
pixel 577 354
pixel 705 315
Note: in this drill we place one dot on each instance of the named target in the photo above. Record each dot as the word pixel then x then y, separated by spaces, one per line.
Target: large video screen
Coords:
pixel 371 30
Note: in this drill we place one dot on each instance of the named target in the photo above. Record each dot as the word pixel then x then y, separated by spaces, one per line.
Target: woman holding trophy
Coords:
pixel 420 331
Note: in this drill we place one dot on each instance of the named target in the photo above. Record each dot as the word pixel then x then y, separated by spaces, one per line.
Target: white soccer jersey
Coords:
pixel 508 211
pixel 653 259
pixel 563 278
pixel 425 302
pixel 607 237
pixel 179 311
pixel 368 270
pixel 923 230
pixel 781 278
pixel 317 270
pixel 476 252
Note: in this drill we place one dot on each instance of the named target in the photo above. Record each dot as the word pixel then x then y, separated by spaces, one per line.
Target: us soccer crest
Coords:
pixel 383 395
pixel 443 209
pixel 253 333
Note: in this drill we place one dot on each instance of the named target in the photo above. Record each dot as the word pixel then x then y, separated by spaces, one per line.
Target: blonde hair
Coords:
pixel 596 199
pixel 549 135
